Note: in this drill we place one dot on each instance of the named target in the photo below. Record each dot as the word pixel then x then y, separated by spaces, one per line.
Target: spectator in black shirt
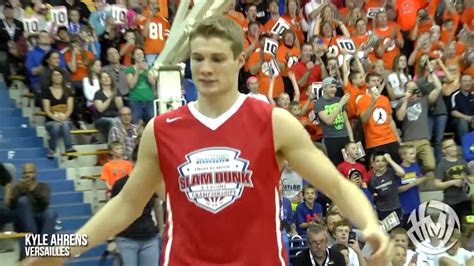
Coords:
pixel 140 243
pixel 318 252
pixel 463 107
pixel 11 30
pixel 6 183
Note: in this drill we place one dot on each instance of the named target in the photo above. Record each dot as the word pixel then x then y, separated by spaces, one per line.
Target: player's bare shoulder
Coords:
pixel 287 130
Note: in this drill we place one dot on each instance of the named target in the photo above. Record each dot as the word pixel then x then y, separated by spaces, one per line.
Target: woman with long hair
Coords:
pixel 58 103
pixel 397 79
pixel 91 83
pixel 141 83
pixel 107 101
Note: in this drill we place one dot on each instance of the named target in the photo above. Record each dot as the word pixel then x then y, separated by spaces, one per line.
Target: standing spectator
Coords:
pixel 252 85
pixel 331 219
pixel 397 79
pixel 306 71
pixel 34 60
pixel 30 201
pixel 141 83
pixel 58 103
pixel 107 101
pixel 331 111
pixel 89 42
pixel 117 167
pixel 97 18
pixel 75 24
pixel 341 232
pixel 117 71
pixel 155 30
pixel 140 243
pixel 77 59
pixel 391 38
pixel 127 133
pixel 307 211
pixel 463 107
pixel 408 186
pixel 127 48
pixel 375 112
pixel 384 185
pixel 350 164
pixel 318 251
pixel 452 176
pixel 413 112
pixel 91 83
pixel 11 31
pixel 456 255
pixel 80 6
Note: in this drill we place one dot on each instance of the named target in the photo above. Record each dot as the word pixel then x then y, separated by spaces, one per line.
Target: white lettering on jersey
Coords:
pixel 214 178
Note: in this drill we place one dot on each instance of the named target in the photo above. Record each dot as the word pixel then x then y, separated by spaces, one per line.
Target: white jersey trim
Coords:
pixel 278 227
pixel 170 231
pixel 215 123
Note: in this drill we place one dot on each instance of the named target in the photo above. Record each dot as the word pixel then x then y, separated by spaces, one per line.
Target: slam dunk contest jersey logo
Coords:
pixel 214 178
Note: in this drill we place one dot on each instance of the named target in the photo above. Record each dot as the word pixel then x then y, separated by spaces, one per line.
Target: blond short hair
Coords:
pixel 221 27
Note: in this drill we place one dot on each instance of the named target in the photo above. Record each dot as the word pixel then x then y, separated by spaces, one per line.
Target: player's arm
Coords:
pixel 145 178
pixel 294 145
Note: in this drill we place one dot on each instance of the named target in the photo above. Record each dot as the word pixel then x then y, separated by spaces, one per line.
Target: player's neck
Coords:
pixel 214 106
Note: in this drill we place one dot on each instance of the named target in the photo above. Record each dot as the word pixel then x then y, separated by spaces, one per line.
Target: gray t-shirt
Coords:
pixel 415 123
pixel 386 187
pixel 437 108
pixel 446 171
pixel 338 128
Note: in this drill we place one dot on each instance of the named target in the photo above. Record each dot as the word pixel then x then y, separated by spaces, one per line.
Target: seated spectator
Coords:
pixel 399 237
pixel 139 244
pixel 408 186
pixel 463 107
pixel 34 60
pixel 452 176
pixel 75 25
pixel 252 86
pixel 62 39
pixel 331 218
pixel 356 178
pixel 400 256
pixel 344 250
pixel 127 133
pixel 384 185
pixel 30 202
pixel 89 41
pixel 127 48
pixel 141 83
pixel 308 211
pixel 117 71
pixel 91 84
pixel 52 60
pixel 318 251
pixel 331 111
pixel 107 101
pixel 117 167
pixel 58 103
pixel 6 182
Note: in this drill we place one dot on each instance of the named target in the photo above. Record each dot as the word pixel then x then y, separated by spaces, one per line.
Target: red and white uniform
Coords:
pixel 222 181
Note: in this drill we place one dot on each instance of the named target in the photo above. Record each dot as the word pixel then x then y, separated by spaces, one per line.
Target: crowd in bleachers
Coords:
pixel 377 84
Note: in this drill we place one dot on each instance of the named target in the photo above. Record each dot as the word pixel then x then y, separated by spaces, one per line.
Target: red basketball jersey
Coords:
pixel 222 186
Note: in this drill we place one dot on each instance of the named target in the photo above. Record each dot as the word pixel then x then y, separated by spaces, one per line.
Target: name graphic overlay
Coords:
pixel 55 245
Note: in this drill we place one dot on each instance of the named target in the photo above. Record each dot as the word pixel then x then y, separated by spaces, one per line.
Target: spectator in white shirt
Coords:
pixel 252 85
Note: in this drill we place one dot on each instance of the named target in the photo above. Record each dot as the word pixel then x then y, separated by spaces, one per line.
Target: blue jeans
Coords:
pixel 104 124
pixel 28 221
pixel 141 110
pixel 462 128
pixel 138 252
pixel 56 130
pixel 437 125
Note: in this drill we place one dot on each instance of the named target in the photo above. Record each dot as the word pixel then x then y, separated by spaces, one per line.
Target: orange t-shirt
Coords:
pixel 263 74
pixel 159 29
pixel 392 51
pixel 295 27
pixel 113 170
pixel 127 57
pixel 406 13
pixel 449 35
pixel 373 4
pixel 269 25
pixel 354 93
pixel 81 68
pixel 288 56
pixel 377 130
pixel 467 17
pixel 311 124
pixel 237 17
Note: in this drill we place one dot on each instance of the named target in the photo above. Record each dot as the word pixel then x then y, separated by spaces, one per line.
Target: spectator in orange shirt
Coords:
pixel 392 40
pixel 77 59
pixel 251 15
pixel 274 15
pixel 375 113
pixel 127 48
pixel 424 23
pixel 289 55
pixel 117 167
pixel 294 16
pixel 252 39
pixel 155 30
pixel 235 15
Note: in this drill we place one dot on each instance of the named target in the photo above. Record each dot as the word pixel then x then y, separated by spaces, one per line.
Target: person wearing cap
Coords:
pixel 11 30
pixel 252 85
pixel 332 114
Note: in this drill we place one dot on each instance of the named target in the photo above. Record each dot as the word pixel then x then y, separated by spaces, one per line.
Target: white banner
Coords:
pixel 317 88
pixel 119 13
pixel 280 26
pixel 31 25
pixel 59 15
pixel 270 46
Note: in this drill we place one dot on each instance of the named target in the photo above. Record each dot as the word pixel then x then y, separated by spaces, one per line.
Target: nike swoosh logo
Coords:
pixel 171 120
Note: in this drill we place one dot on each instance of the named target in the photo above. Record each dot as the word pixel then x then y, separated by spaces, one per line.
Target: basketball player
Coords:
pixel 217 163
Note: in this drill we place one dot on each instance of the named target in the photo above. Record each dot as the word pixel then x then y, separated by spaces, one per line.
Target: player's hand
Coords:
pixel 49 261
pixel 381 245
